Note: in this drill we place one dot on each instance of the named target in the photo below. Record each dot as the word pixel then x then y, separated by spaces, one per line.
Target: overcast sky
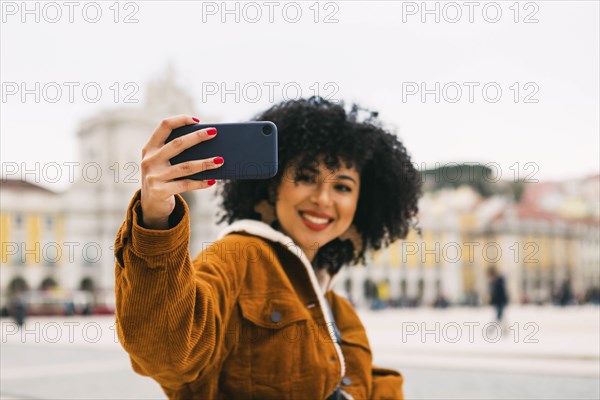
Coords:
pixel 380 54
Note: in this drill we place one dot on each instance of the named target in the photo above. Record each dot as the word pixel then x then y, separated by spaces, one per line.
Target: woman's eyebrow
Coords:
pixel 310 169
pixel 346 177
pixel 319 172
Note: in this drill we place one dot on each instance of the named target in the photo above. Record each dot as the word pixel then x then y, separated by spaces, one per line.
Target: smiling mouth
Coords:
pixel 315 222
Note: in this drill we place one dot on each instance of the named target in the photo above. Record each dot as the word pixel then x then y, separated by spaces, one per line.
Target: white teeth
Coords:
pixel 315 220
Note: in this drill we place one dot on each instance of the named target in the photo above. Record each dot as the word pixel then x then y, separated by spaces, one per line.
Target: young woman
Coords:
pixel 253 315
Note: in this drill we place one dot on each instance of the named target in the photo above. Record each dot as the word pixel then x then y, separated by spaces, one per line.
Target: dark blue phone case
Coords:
pixel 249 150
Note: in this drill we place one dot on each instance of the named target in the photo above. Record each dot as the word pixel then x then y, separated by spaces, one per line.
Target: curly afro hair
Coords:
pixel 316 129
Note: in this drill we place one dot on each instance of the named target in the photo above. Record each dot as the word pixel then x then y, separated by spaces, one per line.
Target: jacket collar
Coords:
pixel 258 228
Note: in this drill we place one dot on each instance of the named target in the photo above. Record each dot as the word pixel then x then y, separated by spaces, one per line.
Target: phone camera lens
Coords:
pixel 267 129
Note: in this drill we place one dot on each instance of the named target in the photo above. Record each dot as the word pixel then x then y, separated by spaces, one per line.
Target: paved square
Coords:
pixel 541 353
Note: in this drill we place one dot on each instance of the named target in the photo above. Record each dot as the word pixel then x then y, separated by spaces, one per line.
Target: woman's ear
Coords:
pixel 266 211
pixel 354 237
pixel 266 207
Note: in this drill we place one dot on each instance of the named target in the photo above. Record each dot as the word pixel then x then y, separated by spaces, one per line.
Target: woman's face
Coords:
pixel 319 206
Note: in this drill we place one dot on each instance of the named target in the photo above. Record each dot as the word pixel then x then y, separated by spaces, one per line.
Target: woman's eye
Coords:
pixel 344 188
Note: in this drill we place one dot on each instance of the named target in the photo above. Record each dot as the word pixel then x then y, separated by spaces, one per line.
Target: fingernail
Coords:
pixel 218 160
pixel 211 131
pixel 211 182
pixel 195 119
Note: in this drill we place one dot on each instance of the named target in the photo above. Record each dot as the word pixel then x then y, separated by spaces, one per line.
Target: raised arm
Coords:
pixel 168 319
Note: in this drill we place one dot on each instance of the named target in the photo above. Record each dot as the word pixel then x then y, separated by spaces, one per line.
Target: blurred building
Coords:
pixel 547 245
pixel 65 240
pixel 543 242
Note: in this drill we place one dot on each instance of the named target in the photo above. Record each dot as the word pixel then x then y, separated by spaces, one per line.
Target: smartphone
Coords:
pixel 249 150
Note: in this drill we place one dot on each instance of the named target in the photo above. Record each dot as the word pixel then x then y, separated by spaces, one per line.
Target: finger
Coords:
pixel 177 145
pixel 187 185
pixel 191 167
pixel 167 125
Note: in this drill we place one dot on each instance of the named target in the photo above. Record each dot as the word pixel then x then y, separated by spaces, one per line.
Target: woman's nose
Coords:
pixel 322 196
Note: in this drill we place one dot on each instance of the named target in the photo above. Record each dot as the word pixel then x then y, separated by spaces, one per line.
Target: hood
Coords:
pixel 321 279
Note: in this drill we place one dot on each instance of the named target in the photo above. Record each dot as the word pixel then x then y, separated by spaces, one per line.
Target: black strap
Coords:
pixel 337 394
pixel 336 331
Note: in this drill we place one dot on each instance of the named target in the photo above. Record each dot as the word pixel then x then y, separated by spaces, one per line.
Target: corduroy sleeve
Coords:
pixel 170 311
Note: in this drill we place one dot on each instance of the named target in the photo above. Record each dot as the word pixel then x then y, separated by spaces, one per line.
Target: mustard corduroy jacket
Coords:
pixel 245 319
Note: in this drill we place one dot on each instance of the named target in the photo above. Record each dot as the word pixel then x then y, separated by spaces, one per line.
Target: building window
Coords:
pixel 18 220
pixel 48 284
pixel 537 282
pixel 50 254
pixel 19 258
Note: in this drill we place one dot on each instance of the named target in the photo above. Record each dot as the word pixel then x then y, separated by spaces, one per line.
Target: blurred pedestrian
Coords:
pixel 565 295
pixel 19 311
pixel 498 294
pixel 383 294
pixel 348 290
pixel 441 301
pixel 370 291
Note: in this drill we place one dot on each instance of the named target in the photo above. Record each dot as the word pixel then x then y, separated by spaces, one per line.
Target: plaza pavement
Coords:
pixel 457 353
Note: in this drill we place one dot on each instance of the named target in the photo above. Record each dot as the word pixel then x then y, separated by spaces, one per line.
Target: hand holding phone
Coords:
pixel 161 180
pixel 249 150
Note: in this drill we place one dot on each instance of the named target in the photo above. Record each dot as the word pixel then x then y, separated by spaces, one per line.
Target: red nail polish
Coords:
pixel 218 160
pixel 195 119
pixel 211 182
pixel 211 131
